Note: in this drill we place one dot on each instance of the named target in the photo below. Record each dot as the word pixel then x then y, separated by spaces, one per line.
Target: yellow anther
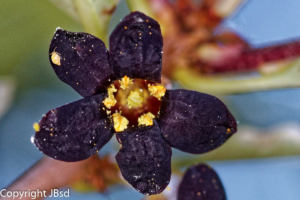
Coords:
pixel 125 82
pixel 110 101
pixel 120 122
pixel 55 57
pixel 111 89
pixel 157 91
pixel 36 127
pixel 146 119
pixel 134 99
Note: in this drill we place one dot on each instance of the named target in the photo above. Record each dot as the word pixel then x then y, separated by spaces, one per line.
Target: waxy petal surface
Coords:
pixel 84 62
pixel 145 159
pixel 136 48
pixel 75 131
pixel 195 122
pixel 201 182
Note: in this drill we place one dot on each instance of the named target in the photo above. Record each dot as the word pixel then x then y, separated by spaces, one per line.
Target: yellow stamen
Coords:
pixel 110 101
pixel 146 119
pixel 125 82
pixel 157 91
pixel 120 122
pixel 36 127
pixel 134 99
pixel 111 89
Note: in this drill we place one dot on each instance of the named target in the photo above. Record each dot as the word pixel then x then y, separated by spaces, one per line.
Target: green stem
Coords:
pixel 250 143
pixel 94 16
pixel 220 84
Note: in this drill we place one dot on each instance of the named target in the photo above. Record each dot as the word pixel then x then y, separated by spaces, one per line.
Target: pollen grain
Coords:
pixel 36 127
pixel 55 57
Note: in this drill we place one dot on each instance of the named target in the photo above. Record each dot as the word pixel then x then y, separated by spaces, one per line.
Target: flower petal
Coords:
pixel 195 122
pixel 136 48
pixel 201 182
pixel 145 159
pixel 83 62
pixel 75 131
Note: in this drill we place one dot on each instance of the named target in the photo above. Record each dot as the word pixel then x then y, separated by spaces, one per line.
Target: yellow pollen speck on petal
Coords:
pixel 125 27
pixel 120 122
pixel 36 127
pixel 110 101
pixel 55 57
pixel 125 82
pixel 146 119
pixel 168 188
pixel 134 99
pixel 157 91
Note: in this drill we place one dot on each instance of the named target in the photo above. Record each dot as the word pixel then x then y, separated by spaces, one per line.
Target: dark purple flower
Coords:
pixel 122 95
pixel 201 182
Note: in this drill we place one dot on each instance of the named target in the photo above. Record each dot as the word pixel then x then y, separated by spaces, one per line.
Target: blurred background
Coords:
pixel 261 161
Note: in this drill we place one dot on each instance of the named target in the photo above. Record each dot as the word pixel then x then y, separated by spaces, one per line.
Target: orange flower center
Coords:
pixel 137 102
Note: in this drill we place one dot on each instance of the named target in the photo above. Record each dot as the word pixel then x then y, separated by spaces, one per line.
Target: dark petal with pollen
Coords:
pixel 75 131
pixel 136 48
pixel 195 122
pixel 201 182
pixel 145 159
pixel 84 62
